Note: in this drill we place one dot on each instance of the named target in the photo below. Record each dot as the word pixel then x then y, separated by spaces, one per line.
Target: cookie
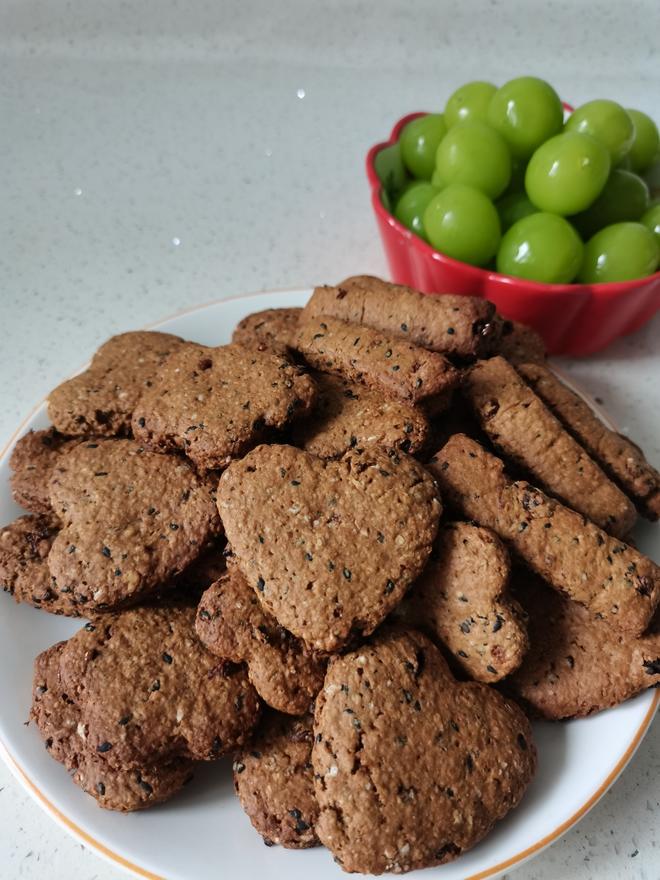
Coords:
pixel 378 360
pixel 617 455
pixel 32 462
pixel 57 718
pixel 148 691
pixel 330 546
pixel 216 403
pixel 519 424
pixel 411 767
pixel 462 326
pixel 131 520
pixel 615 581
pixel 520 344
pixel 269 330
pixel 351 416
pixel 577 665
pixel 100 400
pixel 462 600
pixel 274 783
pixel 231 623
pixel 24 548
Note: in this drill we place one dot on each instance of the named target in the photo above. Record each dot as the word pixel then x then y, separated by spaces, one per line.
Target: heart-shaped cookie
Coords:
pixel 411 767
pixel 330 546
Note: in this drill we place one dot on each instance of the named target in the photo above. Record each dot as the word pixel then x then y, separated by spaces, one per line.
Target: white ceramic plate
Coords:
pixel 203 833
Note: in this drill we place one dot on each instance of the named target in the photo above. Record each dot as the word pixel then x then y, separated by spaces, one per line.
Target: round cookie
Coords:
pixel 268 330
pixel 331 547
pixel 462 600
pixel 577 665
pixel 149 691
pixel 57 719
pixel 216 403
pixel 411 767
pixel 273 781
pixel 131 520
pixel 34 458
pixel 24 548
pixel 352 416
pixel 231 623
pixel 100 400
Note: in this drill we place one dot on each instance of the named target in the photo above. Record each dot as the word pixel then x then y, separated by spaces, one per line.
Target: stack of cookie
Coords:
pixel 354 549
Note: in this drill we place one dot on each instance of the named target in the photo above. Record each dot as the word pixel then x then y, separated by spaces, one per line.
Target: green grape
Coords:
pixel 419 143
pixel 646 142
pixel 567 173
pixel 625 196
pixel 606 121
pixel 462 223
pixel 470 101
pixel 412 204
pixel 619 253
pixel 651 219
pixel 475 154
pixel 391 173
pixel 541 247
pixel 514 207
pixel 526 112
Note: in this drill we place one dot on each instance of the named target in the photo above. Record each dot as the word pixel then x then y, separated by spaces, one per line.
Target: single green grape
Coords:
pixel 513 207
pixel 606 121
pixel 461 222
pixel 567 173
pixel 625 196
pixel 391 173
pixel 619 253
pixel 651 219
pixel 526 112
pixel 646 142
pixel 475 154
pixel 541 247
pixel 419 143
pixel 412 204
pixel 470 101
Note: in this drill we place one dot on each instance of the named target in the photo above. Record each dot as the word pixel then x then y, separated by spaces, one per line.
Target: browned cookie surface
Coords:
pixel 100 400
pixel 34 458
pixel 577 665
pixel 232 623
pixel 216 403
pixel 24 548
pixel 273 780
pixel 615 581
pixel 458 325
pixel 349 415
pixel 520 344
pixel 57 718
pixel 520 425
pixel 271 329
pixel 131 520
pixel 619 456
pixel 462 599
pixel 377 359
pixel 412 768
pixel 330 546
pixel 149 691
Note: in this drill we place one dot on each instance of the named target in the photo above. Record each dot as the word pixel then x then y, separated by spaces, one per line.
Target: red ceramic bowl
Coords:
pixel 575 319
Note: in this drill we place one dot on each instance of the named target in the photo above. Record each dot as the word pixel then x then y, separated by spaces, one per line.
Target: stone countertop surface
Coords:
pixel 158 155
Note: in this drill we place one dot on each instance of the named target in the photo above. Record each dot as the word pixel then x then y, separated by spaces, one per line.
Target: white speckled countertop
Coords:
pixel 162 154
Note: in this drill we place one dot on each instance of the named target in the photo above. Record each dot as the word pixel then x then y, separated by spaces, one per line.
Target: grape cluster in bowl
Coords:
pixel 502 180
